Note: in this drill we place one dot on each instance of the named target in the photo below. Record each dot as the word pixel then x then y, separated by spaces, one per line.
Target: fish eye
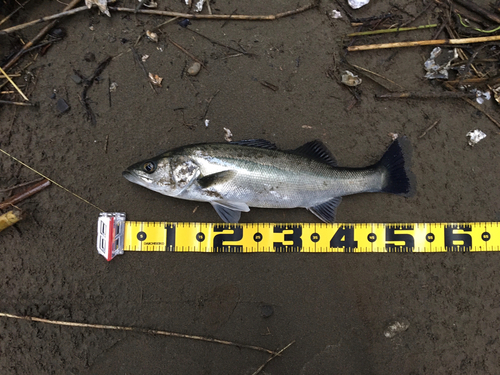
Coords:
pixel 149 167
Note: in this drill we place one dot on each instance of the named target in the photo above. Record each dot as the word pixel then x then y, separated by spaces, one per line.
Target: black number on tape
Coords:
pixel 344 237
pixel 451 238
pixel 294 237
pixel 392 236
pixel 219 239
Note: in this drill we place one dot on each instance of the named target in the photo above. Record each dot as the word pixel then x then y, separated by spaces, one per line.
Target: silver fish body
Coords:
pixel 238 175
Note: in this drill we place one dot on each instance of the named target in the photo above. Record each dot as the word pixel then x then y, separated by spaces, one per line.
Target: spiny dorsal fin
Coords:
pixel 318 151
pixel 261 143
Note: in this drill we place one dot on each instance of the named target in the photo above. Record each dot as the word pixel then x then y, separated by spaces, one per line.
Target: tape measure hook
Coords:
pixel 110 234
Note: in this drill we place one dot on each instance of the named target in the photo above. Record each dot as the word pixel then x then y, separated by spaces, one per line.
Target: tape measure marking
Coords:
pixel 116 235
pixel 300 237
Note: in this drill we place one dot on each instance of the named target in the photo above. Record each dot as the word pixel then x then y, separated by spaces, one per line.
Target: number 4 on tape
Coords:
pixel 116 235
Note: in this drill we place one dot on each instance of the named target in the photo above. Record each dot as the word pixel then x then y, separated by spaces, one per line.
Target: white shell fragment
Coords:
pixel 199 5
pixel 396 327
pixel 335 14
pixel 101 4
pixel 155 79
pixel 228 136
pixel 152 36
pixel 194 69
pixel 350 79
pixel 207 122
pixel 144 58
pixel 475 136
pixel 356 4
pixel 113 87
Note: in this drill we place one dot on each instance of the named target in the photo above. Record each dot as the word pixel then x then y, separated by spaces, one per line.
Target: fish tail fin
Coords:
pixel 395 164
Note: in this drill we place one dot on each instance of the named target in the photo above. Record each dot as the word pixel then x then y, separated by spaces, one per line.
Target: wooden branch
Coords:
pixel 25 194
pixel 141 330
pixel 234 17
pixel 417 43
pixel 43 19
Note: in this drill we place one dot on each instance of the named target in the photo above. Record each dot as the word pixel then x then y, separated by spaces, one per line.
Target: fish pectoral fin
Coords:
pixel 326 211
pixel 216 178
pixel 230 212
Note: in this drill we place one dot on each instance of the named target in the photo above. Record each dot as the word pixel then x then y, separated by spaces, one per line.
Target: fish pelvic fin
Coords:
pixel 395 164
pixel 326 211
pixel 230 212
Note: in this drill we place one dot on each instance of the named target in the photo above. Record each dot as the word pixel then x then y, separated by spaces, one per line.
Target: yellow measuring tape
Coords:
pixel 116 235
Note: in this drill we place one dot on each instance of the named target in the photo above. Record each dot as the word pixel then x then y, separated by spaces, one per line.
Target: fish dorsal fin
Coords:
pixel 230 212
pixel 216 178
pixel 318 151
pixel 326 211
pixel 260 143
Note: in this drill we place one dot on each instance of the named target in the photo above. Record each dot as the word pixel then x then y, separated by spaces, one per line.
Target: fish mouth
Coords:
pixel 129 176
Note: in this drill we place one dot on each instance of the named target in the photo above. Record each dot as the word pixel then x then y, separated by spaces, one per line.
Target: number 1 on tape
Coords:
pixel 116 235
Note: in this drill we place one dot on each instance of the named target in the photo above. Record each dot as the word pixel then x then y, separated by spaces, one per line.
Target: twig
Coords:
pixel 425 43
pixel 418 15
pixel 377 75
pixel 479 10
pixel 186 52
pixel 233 17
pixel 38 37
pixel 141 64
pixel 474 104
pixel 9 218
pixel 395 30
pixel 25 194
pixel 272 357
pixel 54 182
pixel 426 95
pixel 209 101
pixel 241 52
pixel 88 84
pixel 18 103
pixel 43 19
pixel 13 84
pixel 141 330
pixel 429 128
pixel 20 185
pixel 14 12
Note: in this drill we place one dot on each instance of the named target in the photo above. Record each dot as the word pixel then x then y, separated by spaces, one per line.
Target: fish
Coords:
pixel 235 176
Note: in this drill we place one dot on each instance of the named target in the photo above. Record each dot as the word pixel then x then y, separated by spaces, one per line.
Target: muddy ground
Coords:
pixel 334 306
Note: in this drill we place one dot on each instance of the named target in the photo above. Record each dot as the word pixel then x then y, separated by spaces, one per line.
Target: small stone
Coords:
pixel 194 69
pixel 266 311
pixel 62 106
pixel 76 78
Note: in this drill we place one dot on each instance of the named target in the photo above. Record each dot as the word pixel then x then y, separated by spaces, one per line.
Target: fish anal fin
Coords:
pixel 316 150
pixel 326 211
pixel 230 212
